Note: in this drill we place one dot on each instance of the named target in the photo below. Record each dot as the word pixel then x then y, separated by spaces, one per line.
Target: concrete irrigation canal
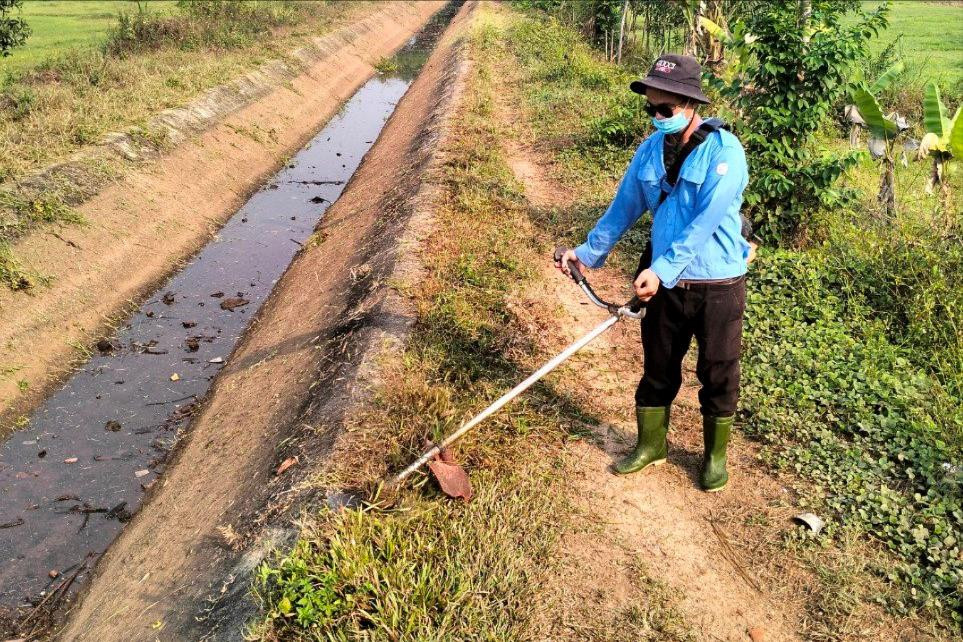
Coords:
pixel 81 467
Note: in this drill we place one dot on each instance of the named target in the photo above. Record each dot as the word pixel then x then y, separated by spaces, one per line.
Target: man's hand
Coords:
pixel 647 284
pixel 563 264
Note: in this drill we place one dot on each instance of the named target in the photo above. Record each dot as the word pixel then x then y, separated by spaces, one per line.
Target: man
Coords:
pixel 695 284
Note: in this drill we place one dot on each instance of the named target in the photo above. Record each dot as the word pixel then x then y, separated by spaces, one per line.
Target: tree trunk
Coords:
pixel 887 185
pixel 647 42
pixel 805 14
pixel 625 9
pixel 691 47
pixel 854 135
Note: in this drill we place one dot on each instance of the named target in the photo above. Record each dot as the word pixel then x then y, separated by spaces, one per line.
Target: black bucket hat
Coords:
pixel 681 75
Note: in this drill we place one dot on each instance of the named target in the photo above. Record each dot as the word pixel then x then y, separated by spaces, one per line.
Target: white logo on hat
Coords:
pixel 664 66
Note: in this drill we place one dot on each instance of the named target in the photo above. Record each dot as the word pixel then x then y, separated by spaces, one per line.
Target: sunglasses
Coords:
pixel 662 109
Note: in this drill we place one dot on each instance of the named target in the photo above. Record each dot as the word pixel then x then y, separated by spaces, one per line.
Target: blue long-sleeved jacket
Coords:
pixel 697 231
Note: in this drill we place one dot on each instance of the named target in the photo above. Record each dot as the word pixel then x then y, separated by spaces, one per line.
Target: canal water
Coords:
pixel 78 470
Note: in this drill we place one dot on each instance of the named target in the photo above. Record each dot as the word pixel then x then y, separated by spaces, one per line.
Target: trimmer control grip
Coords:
pixel 572 268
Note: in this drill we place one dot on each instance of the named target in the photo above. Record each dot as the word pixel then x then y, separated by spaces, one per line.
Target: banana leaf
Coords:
pixel 887 77
pixel 934 112
pixel 956 135
pixel 871 113
pixel 714 29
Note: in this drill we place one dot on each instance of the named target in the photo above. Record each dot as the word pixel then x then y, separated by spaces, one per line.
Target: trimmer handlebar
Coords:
pixel 635 308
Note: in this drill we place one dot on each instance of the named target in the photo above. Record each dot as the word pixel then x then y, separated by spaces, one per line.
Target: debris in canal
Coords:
pixel 168 298
pixel 192 344
pixel 188 324
pixel 105 345
pixel 233 302
pixel 13 524
pixel 175 377
pixel 71 460
pixel 112 426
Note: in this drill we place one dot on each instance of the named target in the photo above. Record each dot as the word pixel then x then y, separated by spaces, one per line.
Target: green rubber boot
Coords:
pixel 715 433
pixel 651 449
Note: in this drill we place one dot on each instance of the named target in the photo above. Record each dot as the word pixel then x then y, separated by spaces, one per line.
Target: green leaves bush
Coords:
pixel 783 93
pixel 845 409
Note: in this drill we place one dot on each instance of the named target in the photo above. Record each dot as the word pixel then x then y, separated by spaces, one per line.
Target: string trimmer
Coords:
pixel 634 309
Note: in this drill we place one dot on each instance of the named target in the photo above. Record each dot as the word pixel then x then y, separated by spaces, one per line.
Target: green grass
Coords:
pixel 61 26
pixel 931 39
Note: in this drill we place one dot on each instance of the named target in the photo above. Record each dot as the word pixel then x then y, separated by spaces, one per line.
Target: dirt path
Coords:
pixel 181 569
pixel 658 523
pixel 139 228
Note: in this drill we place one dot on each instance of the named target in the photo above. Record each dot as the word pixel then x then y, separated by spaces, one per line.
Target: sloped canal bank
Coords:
pixel 78 471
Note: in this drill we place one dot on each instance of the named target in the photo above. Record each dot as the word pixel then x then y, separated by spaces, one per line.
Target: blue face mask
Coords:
pixel 671 125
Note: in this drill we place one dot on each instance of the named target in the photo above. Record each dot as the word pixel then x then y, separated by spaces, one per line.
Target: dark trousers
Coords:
pixel 713 315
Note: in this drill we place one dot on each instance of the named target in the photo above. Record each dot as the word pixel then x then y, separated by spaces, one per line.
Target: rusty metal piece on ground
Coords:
pixel 452 478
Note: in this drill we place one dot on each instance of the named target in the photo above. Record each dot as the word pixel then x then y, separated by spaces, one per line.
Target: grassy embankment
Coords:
pixel 86 72
pixel 851 374
pixel 428 567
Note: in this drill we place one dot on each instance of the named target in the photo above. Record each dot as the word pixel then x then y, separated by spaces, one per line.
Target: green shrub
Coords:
pixel 784 90
pixel 17 101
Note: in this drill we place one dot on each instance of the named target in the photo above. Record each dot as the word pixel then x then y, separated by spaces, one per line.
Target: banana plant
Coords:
pixel 943 140
pixel 884 131
pixel 736 42
pixel 851 113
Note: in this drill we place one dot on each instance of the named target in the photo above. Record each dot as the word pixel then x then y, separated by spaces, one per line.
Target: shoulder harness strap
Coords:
pixel 696 138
